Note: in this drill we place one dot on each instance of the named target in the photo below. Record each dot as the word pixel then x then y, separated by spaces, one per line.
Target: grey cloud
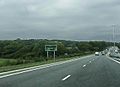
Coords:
pixel 73 19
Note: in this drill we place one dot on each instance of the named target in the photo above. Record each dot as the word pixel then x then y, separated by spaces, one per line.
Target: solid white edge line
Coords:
pixel 113 60
pixel 37 66
pixel 11 73
pixel 66 77
pixel 117 59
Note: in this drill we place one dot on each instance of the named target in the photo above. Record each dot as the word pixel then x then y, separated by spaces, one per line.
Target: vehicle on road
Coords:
pixel 96 53
pixel 103 53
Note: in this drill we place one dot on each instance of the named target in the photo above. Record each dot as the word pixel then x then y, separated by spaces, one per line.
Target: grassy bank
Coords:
pixel 12 64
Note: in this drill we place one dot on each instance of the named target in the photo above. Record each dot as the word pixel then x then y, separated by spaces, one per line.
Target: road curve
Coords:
pixel 94 71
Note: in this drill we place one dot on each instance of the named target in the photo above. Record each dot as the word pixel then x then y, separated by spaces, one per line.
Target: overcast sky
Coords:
pixel 59 19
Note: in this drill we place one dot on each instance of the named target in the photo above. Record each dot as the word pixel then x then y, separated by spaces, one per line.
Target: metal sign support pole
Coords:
pixel 54 56
pixel 47 54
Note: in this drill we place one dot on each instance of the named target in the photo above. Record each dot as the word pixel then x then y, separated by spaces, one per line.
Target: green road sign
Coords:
pixel 50 47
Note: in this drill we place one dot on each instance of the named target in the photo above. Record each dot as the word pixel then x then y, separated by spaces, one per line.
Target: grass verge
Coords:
pixel 21 66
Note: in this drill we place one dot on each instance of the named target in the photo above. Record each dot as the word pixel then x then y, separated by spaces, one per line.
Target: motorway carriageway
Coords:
pixel 89 71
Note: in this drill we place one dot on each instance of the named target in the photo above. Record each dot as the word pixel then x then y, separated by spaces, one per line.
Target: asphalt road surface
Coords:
pixel 94 71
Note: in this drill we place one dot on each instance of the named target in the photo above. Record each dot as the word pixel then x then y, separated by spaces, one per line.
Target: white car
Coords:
pixel 96 53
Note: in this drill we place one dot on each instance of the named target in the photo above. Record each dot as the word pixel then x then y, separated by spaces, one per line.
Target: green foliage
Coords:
pixel 34 50
pixel 9 62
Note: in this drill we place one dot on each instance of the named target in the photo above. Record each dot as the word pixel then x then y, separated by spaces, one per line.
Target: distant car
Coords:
pixel 96 53
pixel 103 53
pixel 116 51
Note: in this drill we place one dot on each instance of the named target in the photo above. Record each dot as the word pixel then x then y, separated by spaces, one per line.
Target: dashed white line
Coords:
pixel 84 65
pixel 66 77
pixel 89 61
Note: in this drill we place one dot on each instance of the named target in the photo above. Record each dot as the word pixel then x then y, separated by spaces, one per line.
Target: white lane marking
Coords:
pixel 66 77
pixel 117 59
pixel 84 65
pixel 25 70
pixel 17 73
pixel 89 61
pixel 113 60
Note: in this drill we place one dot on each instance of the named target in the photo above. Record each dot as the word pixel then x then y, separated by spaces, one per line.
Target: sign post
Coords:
pixel 54 56
pixel 47 54
pixel 51 48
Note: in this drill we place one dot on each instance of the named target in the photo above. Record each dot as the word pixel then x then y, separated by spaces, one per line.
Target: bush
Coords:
pixel 9 62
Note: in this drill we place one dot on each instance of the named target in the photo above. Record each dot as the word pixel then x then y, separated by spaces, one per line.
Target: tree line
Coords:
pixel 35 48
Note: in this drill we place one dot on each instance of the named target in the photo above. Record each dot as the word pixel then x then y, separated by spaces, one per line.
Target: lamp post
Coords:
pixel 114 35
